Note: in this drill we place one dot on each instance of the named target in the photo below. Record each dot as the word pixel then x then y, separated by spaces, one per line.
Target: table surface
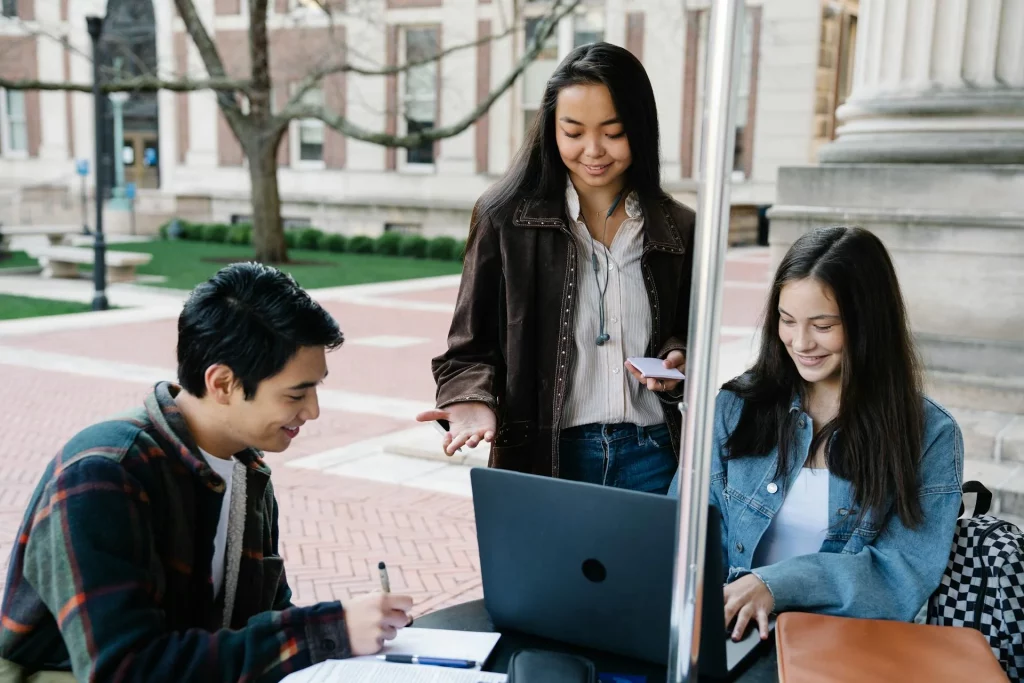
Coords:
pixel 472 616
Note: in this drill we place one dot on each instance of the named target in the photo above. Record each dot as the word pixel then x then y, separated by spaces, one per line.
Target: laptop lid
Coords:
pixel 576 562
pixel 592 566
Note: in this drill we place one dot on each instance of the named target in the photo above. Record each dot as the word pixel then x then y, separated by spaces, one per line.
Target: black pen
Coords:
pixel 428 661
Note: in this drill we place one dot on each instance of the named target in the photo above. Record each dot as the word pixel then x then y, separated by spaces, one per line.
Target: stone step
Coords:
pixel 425 442
pixel 991 435
pixel 1006 482
pixel 976 392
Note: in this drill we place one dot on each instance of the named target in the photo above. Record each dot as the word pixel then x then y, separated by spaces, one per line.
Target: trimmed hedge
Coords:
pixel 334 242
pixel 361 244
pixel 309 238
pixel 413 245
pixel 388 244
pixel 443 249
pixel 240 234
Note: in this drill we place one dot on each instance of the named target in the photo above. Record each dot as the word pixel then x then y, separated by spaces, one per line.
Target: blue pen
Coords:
pixel 429 661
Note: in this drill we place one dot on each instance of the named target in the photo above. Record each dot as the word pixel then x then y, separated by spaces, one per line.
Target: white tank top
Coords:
pixel 801 524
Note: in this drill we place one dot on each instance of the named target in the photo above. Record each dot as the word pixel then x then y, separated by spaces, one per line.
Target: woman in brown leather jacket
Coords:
pixel 576 261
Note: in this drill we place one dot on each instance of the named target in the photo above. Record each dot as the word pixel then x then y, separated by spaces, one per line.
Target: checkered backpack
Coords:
pixel 983 586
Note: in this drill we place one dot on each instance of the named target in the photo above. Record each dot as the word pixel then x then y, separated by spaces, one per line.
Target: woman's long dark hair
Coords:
pixel 537 172
pixel 879 428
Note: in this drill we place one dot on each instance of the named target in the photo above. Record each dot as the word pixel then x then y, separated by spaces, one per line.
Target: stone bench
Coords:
pixel 56 234
pixel 64 262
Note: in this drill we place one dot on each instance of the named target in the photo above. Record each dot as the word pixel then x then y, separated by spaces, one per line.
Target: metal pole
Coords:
pixel 717 145
pixel 99 271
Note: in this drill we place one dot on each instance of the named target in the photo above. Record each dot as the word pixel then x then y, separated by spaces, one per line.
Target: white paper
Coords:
pixel 655 368
pixel 437 642
pixel 370 671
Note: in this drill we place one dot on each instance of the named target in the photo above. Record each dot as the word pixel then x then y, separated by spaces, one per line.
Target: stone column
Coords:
pixel 935 81
pixel 930 157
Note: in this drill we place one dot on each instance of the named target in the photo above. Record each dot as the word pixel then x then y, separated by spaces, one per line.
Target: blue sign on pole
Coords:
pixel 82 167
pixel 129 190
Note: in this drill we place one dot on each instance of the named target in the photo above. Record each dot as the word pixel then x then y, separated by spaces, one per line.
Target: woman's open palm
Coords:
pixel 469 424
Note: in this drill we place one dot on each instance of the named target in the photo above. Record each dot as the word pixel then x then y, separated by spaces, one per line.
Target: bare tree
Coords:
pixel 259 127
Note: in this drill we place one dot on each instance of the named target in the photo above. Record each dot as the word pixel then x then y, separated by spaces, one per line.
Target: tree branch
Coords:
pixel 345 127
pixel 204 44
pixel 317 75
pixel 140 84
pixel 211 60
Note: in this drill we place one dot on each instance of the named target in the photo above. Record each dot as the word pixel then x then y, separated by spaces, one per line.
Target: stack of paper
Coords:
pixel 362 671
pixel 425 642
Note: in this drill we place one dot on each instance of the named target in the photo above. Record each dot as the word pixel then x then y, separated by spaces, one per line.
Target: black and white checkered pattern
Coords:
pixel 983 587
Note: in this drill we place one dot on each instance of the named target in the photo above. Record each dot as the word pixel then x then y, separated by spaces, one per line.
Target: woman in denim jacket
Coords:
pixel 838 481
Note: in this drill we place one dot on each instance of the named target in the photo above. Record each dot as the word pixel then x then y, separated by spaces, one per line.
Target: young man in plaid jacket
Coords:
pixel 149 551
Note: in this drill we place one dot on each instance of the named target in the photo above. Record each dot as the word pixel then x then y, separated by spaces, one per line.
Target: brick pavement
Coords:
pixel 334 529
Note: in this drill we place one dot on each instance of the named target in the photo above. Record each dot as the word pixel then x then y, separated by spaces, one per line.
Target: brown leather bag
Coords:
pixel 814 648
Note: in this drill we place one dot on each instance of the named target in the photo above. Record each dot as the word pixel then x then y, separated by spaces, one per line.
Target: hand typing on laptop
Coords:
pixel 748 600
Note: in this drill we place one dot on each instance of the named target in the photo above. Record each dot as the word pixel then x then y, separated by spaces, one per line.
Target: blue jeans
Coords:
pixel 622 455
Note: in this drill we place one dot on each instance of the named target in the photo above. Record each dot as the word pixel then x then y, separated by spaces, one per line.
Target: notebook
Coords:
pixel 433 642
pixel 371 671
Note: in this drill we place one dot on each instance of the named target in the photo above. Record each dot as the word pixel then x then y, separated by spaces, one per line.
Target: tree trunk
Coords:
pixel 267 230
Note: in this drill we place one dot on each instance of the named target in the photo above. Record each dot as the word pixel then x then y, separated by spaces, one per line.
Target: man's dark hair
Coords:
pixel 252 318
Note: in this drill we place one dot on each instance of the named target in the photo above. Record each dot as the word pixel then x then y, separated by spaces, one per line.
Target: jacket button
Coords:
pixel 328 645
pixel 739 547
pixel 842 512
pixel 773 487
pixel 802 423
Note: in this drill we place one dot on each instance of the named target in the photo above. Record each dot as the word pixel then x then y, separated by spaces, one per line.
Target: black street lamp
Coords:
pixel 99 272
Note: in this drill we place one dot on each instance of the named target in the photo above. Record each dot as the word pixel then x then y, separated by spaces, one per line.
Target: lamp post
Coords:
pixel 99 272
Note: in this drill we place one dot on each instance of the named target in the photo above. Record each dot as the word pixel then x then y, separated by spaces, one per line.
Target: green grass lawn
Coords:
pixel 183 264
pixel 12 307
pixel 16 259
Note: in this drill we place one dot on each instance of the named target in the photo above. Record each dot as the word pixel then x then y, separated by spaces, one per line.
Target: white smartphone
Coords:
pixel 655 368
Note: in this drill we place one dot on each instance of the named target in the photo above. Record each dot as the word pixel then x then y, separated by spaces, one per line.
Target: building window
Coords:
pixel 585 26
pixel 588 27
pixel 741 94
pixel 13 124
pixel 538 71
pixel 308 147
pixel 404 228
pixel 836 43
pixel 742 87
pixel 9 8
pixel 420 91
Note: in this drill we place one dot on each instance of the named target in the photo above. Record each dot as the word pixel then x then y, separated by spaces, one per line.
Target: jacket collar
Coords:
pixel 573 208
pixel 165 416
pixel 660 230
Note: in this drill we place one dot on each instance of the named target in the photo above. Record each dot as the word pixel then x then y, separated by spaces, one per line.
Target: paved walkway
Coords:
pixel 363 483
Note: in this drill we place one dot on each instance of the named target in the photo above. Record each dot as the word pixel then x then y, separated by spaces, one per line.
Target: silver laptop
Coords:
pixel 592 566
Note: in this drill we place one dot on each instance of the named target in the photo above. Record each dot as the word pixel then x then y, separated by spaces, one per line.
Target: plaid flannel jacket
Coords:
pixel 110 575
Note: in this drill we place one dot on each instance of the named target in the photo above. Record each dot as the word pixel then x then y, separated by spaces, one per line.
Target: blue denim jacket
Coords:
pixel 865 569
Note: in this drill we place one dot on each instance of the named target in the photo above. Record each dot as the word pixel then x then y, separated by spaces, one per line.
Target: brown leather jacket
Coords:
pixel 511 339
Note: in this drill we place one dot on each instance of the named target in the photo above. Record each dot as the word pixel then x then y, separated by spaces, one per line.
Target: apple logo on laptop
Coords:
pixel 594 570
